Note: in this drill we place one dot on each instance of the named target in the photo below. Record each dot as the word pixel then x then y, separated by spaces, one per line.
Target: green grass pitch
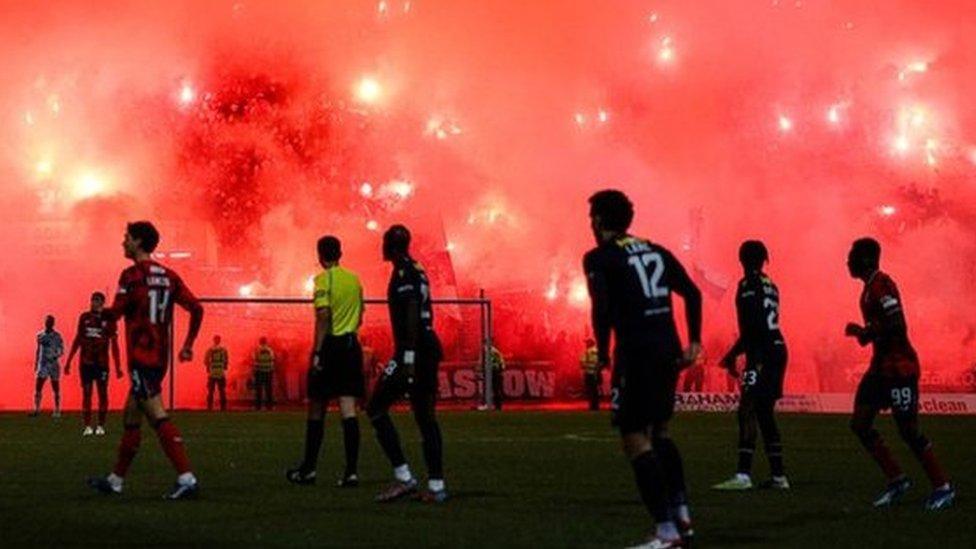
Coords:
pixel 518 479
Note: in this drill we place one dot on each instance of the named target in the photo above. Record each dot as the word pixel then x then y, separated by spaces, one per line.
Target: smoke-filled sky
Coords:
pixel 248 129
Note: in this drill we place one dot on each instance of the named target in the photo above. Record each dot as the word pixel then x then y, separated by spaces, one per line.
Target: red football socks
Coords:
pixel 172 443
pixel 882 455
pixel 128 449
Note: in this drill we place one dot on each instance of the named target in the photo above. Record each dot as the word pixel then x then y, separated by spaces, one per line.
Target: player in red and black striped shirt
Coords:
pixel 146 295
pixel 891 380
pixel 96 334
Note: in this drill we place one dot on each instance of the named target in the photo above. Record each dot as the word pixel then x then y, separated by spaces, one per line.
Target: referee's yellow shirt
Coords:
pixel 340 290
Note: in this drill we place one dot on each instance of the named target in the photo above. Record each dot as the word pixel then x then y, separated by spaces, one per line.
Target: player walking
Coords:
pixel 336 368
pixel 412 371
pixel 630 283
pixel 891 380
pixel 146 295
pixel 50 347
pixel 96 334
pixel 760 339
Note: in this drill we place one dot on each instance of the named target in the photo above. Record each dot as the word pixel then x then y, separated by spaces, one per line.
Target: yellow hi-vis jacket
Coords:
pixel 589 360
pixel 216 362
pixel 264 359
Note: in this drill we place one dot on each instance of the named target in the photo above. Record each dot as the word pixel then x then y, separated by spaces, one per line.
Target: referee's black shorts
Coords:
pixel 340 370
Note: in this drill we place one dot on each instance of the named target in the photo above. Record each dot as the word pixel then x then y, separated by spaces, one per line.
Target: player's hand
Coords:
pixel 691 355
pixel 853 330
pixel 728 364
pixel 315 363
pixel 186 353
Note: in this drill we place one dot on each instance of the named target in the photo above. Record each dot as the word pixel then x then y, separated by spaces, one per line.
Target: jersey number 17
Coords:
pixel 158 303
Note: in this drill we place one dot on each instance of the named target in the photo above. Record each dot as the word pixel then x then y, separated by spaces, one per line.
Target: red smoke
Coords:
pixel 248 129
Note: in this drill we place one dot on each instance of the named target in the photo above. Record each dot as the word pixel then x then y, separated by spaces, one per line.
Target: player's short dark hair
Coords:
pixel 397 239
pixel 98 295
pixel 868 250
pixel 146 233
pixel 330 249
pixel 753 254
pixel 616 211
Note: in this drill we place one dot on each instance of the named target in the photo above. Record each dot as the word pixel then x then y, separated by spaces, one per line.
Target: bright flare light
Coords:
pixel 916 67
pixel 902 144
pixel 835 113
pixel 579 118
pixel 246 290
pixel 887 210
pixel 603 116
pixel 666 53
pixel 87 185
pixel 552 292
pixel 785 124
pixel 187 94
pixel 43 168
pixel 310 284
pixel 372 225
pixel 29 118
pixel 368 90
pixel 931 146
pixel 397 189
pixel 578 293
pixel 366 189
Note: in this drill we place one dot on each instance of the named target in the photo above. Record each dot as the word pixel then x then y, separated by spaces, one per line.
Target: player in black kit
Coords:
pixel 413 371
pixel 760 339
pixel 630 282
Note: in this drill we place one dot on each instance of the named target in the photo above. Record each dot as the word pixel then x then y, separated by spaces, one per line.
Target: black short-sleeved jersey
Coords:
pixel 409 283
pixel 757 310
pixel 631 281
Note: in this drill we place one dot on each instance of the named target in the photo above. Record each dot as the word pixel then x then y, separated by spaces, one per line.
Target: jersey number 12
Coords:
pixel 650 284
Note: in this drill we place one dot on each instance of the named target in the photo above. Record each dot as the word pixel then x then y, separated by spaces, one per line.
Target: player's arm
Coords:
pixel 321 300
pixel 407 293
pixel 185 299
pixel 891 321
pixel 75 345
pixel 600 317
pixel 323 327
pixel 751 319
pixel 114 342
pixel 682 285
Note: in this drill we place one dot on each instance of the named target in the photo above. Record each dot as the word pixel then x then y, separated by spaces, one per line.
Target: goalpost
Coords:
pixel 462 316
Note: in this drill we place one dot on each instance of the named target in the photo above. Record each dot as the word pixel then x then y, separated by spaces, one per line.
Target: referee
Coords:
pixel 336 369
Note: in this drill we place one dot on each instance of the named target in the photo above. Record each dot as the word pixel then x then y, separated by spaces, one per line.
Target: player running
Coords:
pixel 336 366
pixel 891 380
pixel 760 339
pixel 413 371
pixel 630 283
pixel 50 347
pixel 146 295
pixel 96 334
